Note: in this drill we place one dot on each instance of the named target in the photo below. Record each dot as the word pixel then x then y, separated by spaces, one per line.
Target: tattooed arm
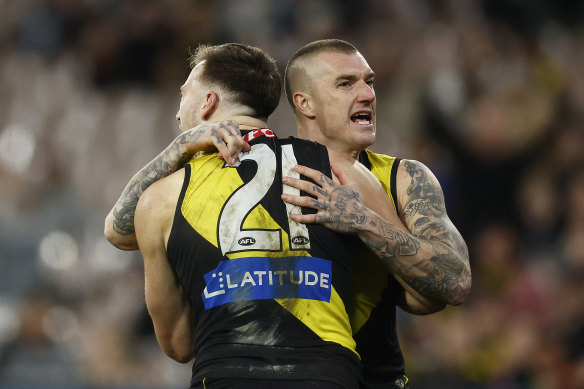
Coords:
pixel 439 263
pixel 224 136
pixel 430 256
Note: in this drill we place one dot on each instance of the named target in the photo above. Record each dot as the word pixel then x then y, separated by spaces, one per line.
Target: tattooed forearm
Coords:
pixel 421 257
pixel 167 162
pixel 429 254
pixel 405 244
pixel 225 137
pixel 442 276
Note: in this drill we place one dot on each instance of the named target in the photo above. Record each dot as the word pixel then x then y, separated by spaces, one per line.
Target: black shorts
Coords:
pixel 401 382
pixel 246 383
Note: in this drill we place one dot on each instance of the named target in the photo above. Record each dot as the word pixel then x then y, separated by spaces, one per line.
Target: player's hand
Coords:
pixel 223 137
pixel 338 207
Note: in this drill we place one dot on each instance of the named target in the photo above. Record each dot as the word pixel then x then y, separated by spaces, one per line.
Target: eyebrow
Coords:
pixel 352 77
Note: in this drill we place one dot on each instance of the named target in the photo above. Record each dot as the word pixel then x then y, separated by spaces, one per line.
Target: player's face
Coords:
pixel 192 100
pixel 345 100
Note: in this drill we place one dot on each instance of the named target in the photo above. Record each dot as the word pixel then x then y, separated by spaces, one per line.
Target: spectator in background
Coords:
pixel 34 356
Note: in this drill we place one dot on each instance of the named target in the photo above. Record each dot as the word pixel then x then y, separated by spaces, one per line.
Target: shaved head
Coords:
pixel 297 75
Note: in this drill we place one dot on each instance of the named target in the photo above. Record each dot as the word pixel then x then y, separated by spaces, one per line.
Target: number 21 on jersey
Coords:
pixel 232 237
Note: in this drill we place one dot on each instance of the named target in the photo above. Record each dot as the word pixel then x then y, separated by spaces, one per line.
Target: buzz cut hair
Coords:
pixel 319 46
pixel 247 72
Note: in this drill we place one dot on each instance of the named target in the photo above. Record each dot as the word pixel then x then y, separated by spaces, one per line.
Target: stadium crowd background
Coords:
pixel 489 94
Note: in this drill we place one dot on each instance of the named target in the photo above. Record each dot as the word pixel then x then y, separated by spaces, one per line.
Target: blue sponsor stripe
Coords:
pixel 257 278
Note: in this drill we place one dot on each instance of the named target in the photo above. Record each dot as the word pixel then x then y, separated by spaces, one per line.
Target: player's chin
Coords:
pixel 366 136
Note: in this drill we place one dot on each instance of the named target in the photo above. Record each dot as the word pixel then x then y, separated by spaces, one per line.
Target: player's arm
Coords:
pixel 431 258
pixel 169 309
pixel 406 297
pixel 374 196
pixel 441 265
pixel 224 137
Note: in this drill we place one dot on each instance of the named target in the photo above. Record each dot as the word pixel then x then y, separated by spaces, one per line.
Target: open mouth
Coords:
pixel 361 118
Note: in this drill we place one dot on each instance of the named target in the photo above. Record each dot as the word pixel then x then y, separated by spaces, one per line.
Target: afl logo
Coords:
pixel 247 241
pixel 301 240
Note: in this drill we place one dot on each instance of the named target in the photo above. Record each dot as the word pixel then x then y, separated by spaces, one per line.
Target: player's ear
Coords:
pixel 210 106
pixel 304 103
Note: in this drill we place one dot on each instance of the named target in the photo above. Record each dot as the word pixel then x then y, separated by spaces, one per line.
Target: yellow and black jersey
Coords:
pixel 376 293
pixel 268 294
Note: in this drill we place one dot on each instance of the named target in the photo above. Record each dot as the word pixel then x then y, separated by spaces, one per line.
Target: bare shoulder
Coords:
pixel 163 191
pixel 409 166
pixel 156 206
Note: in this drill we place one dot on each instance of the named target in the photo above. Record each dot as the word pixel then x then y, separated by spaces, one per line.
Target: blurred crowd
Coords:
pixel 488 93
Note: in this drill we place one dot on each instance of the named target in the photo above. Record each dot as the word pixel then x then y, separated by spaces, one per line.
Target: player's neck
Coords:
pixel 248 122
pixel 338 151
pixel 339 156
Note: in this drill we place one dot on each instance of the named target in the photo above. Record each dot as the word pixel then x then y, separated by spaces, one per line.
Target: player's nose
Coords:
pixel 366 92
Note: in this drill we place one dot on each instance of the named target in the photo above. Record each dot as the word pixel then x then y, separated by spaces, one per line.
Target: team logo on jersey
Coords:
pixel 259 278
pixel 257 133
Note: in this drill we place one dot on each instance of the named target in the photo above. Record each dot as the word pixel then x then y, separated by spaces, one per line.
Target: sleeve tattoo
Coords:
pixel 166 163
pixel 432 257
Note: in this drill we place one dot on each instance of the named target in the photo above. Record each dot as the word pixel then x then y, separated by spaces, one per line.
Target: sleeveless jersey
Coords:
pixel 268 294
pixel 375 295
